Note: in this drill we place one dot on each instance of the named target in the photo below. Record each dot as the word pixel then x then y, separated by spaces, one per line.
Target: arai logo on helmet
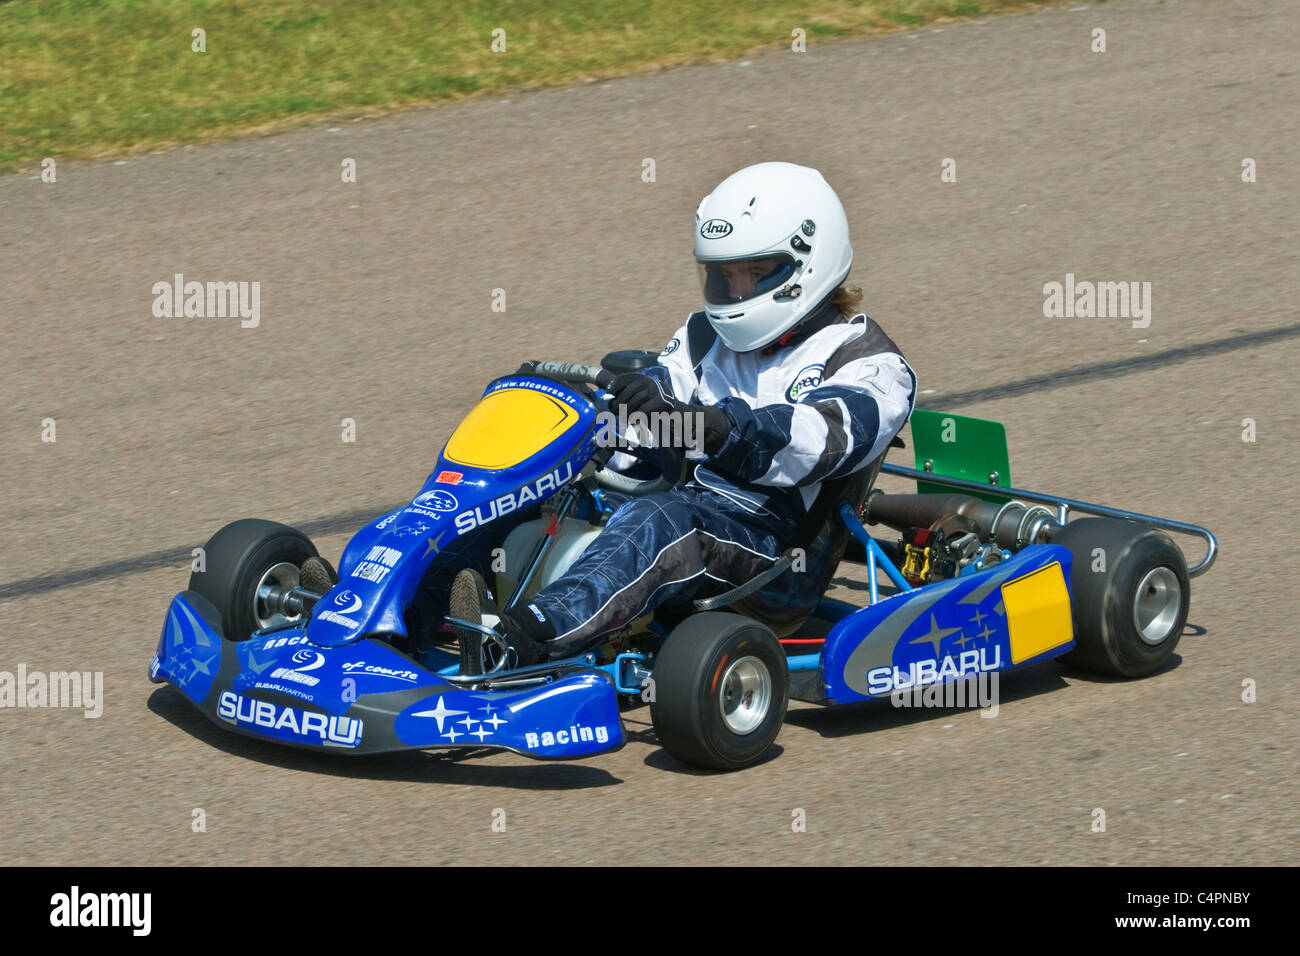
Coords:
pixel 809 377
pixel 715 229
pixel 438 500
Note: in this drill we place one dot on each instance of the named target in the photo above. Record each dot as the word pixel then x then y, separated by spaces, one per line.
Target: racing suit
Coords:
pixel 819 404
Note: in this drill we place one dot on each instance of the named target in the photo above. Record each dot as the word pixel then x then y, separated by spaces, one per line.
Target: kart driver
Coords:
pixel 794 387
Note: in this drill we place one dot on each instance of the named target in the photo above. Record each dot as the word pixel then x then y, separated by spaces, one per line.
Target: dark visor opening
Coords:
pixel 738 280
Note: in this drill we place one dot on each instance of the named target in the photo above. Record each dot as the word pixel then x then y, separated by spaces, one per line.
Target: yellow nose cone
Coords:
pixel 507 427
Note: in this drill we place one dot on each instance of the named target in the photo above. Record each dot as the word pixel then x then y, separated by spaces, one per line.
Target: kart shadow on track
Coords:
pixel 457 766
pixel 872 717
pixel 638 729
pixel 1085 676
pixel 660 759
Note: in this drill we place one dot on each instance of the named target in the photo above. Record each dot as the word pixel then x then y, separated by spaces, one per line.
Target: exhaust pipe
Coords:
pixel 1012 525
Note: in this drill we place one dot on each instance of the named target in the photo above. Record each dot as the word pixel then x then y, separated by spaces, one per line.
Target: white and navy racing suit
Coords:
pixel 820 404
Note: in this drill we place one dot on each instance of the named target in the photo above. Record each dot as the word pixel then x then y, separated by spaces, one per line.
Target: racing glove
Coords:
pixel 641 393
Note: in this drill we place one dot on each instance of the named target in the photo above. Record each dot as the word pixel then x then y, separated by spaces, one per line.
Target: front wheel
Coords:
pixel 720 691
pixel 247 564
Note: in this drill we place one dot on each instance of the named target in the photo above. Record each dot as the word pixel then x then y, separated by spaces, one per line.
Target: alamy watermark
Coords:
pixel 80 690
pixel 1098 300
pixel 208 300
pixel 128 910
pixel 655 430
pixel 974 690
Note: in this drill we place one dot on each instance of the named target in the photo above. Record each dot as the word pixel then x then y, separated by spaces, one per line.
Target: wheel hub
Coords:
pixel 277 581
pixel 746 695
pixel 1155 605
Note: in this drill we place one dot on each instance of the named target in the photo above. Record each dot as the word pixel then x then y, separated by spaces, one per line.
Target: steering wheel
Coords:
pixel 602 379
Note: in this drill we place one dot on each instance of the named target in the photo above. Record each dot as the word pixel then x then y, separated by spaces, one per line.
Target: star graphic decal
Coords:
pixel 255 666
pixel 439 713
pixel 978 619
pixel 935 634
pixel 452 735
pixel 182 664
pixel 480 734
pixel 469 723
pixel 187 661
pixel 986 633
pixel 495 721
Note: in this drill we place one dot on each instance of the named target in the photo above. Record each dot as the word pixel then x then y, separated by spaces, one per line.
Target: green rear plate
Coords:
pixel 960 447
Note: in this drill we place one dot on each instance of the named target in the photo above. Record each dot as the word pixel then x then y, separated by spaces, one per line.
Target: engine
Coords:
pixel 944 535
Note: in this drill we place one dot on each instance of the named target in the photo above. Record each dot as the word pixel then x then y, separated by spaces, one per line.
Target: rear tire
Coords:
pixel 1129 617
pixel 720 691
pixel 243 557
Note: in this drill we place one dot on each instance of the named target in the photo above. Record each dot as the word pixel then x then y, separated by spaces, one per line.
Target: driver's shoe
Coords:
pixel 526 637
pixel 316 575
pixel 471 601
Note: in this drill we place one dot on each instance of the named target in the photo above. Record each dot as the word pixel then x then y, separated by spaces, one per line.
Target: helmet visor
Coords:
pixel 739 280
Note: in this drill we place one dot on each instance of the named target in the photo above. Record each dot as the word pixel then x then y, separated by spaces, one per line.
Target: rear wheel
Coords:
pixel 246 565
pixel 1129 592
pixel 720 691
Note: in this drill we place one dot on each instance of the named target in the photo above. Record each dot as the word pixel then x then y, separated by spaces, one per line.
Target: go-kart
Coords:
pixel 980 577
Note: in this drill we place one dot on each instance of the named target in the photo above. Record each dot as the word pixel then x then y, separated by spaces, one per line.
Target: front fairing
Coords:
pixel 364 697
pixel 525 440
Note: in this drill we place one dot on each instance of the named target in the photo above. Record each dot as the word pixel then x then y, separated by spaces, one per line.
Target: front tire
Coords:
pixel 1128 616
pixel 242 562
pixel 721 687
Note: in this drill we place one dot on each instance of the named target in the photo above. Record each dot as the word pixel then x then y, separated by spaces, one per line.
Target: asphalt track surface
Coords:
pixel 375 306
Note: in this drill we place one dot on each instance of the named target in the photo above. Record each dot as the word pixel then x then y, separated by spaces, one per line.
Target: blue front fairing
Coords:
pixel 290 664
pixel 365 697
pixel 572 717
pixel 384 562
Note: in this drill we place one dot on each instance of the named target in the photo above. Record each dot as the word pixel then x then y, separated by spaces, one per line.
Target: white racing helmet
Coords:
pixel 772 242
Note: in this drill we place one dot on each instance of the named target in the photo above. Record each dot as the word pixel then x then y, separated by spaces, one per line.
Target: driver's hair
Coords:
pixel 847 299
